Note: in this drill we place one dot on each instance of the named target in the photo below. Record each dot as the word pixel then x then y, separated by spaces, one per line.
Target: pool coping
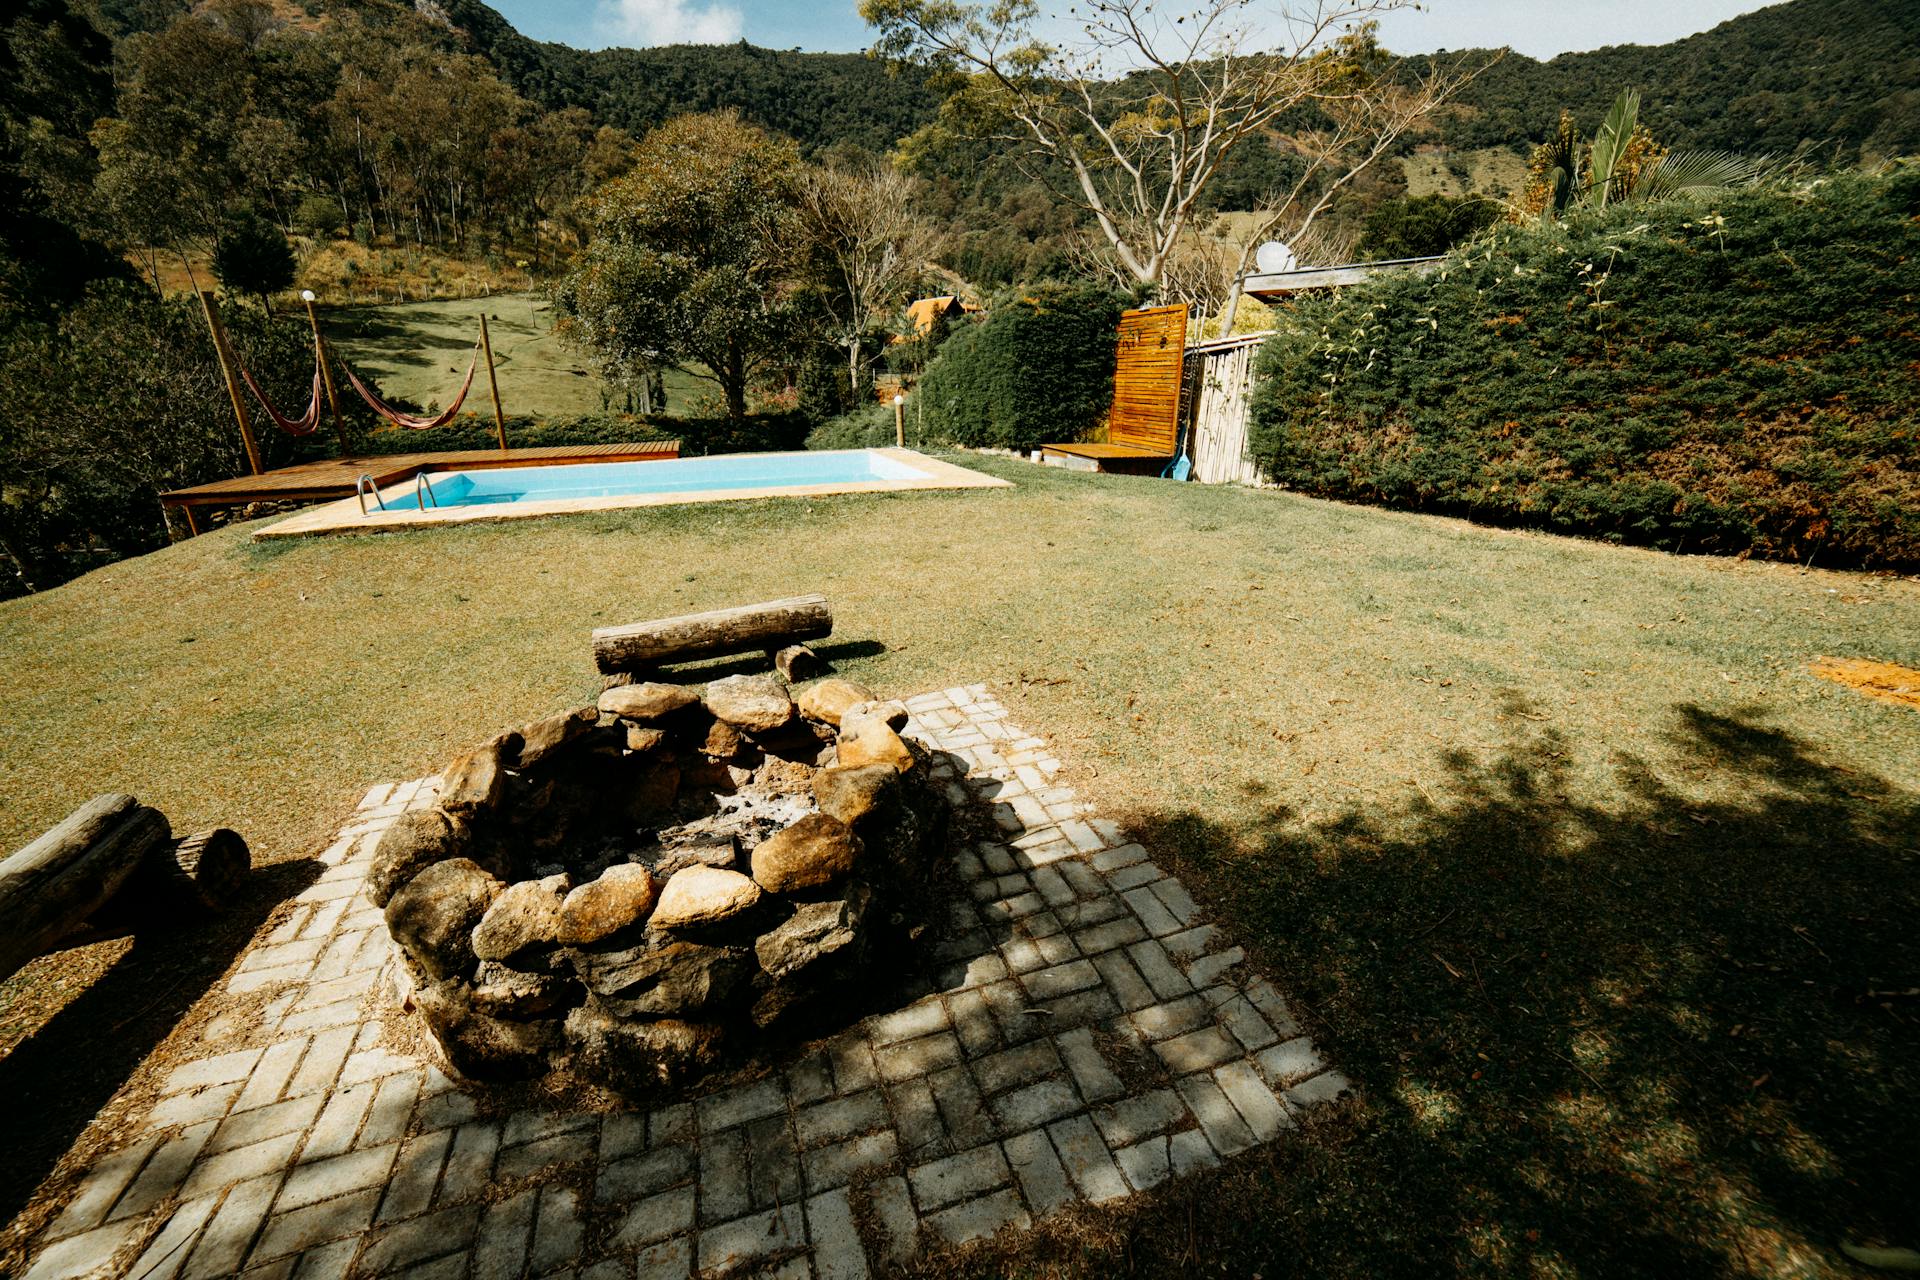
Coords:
pixel 345 515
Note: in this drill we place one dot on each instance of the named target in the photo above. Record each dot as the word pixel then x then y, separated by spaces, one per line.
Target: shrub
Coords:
pixel 1735 376
pixel 768 431
pixel 317 216
pixel 869 427
pixel 1038 368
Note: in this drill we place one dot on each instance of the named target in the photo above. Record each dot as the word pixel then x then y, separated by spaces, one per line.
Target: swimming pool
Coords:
pixel 508 492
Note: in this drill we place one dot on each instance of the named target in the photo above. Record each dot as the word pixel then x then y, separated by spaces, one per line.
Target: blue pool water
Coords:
pixel 678 475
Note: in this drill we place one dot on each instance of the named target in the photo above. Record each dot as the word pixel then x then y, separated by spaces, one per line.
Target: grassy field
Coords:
pixel 1601 897
pixel 419 350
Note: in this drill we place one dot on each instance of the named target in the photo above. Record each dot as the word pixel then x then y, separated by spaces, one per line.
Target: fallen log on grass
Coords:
pixel 774 625
pixel 51 887
pixel 109 869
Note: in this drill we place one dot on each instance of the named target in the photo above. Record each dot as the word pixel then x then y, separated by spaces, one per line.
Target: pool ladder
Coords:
pixel 420 483
pixel 365 485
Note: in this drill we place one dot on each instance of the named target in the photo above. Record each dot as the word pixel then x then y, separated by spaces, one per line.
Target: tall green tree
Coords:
pixel 254 257
pixel 691 260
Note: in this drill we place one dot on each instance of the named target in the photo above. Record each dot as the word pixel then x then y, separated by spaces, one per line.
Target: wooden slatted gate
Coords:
pixel 1146 380
pixel 1219 380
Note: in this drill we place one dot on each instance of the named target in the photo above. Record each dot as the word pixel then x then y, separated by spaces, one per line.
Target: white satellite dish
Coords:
pixel 1273 257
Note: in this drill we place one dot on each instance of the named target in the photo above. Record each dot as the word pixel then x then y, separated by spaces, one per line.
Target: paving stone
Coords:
pixel 1035 1105
pixel 1131 1119
pixel 725 1191
pixel 100 1187
pixel 1250 1096
pixel 835 1166
pixel 1134 876
pixel 668 1260
pixel 738 1244
pixel 270 1075
pixel 643 1174
pixel 1049 934
pixel 917 1057
pixel 655 1218
pixel 973 1020
pixel 1111 860
pixel 841 1118
pixel 311 1183
pixel 470 1164
pixel 1318 1091
pixel 239 1130
pixel 670 1124
pixel 838 1253
pixel 1130 990
pixel 739 1105
pixel 1060 980
pixel 415 1175
pixel 978 1219
pixel 164 1256
pixel 1090 1071
pixel 214 1173
pixel 961 1108
pixel 1053 887
pixel 1240 1017
pixel 1197 1050
pixel 1174 896
pixel 1176 1017
pixel 557 1230
pixel 1037 1168
pixel 917 1118
pixel 1086 1159
pixel 561 1152
pixel 86 1255
pixel 1208 970
pixel 1118 932
pixel 622 1134
pixel 400 1245
pixel 531 1126
pixel 1082 1008
pixel 316 1224
pixel 1013 1067
pixel 1157 967
pixel 959 1177
pixel 505 1230
pixel 392 1108
pixel 326 1054
pixel 810 1080
pixel 1287 1063
pixel 1225 1130
pixel 1191 944
pixel 895 1223
pixel 1146 1164
pixel 223 1245
pixel 192 1107
pixel 1190 1150
pixel 773 1162
pixel 1152 912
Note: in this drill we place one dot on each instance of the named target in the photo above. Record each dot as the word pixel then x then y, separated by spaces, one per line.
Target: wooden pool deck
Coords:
pixel 333 478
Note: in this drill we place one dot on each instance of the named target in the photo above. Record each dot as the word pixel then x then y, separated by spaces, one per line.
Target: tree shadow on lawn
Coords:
pixel 1633 1040
pixel 56 1080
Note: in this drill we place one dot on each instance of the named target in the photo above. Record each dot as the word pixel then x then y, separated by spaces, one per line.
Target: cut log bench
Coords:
pixel 110 867
pixel 773 627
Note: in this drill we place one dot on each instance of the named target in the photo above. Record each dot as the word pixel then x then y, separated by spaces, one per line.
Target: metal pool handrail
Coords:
pixel 364 485
pixel 419 483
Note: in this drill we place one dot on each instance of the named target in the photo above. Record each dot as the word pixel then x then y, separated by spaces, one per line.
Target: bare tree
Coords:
pixel 1139 113
pixel 862 222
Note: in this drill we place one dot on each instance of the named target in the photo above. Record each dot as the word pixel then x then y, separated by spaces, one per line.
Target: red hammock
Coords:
pixel 300 426
pixel 407 420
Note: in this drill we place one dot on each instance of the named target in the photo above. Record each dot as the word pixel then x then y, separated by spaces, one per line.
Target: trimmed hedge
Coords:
pixel 1039 368
pixel 772 431
pixel 1737 376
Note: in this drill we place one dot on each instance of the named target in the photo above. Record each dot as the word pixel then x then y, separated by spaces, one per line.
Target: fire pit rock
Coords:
pixel 646 890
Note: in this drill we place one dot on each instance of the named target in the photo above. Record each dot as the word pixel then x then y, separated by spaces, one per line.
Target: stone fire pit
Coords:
pixel 645 889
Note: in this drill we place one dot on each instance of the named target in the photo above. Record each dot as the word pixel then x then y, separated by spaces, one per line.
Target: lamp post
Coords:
pixel 326 372
pixel 899 420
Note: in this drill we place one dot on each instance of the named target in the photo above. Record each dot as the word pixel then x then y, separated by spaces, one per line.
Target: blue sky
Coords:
pixel 1538 28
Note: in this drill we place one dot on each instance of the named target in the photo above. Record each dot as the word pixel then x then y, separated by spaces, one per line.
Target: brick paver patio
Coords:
pixel 1092 1037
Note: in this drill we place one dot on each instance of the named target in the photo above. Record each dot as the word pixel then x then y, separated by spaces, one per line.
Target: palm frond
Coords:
pixel 1680 173
pixel 1609 144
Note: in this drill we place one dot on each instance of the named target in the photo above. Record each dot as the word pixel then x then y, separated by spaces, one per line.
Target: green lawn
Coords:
pixel 419 350
pixel 1568 860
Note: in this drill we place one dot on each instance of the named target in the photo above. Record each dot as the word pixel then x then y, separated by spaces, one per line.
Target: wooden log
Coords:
pixel 773 625
pixel 50 887
pixel 205 869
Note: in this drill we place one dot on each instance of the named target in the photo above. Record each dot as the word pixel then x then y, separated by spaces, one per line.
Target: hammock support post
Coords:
pixel 493 383
pixel 326 373
pixel 211 310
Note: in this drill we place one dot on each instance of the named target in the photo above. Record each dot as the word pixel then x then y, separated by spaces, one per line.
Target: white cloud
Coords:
pixel 642 23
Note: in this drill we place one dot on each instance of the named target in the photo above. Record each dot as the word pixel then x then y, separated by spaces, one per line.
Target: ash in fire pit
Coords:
pixel 634 889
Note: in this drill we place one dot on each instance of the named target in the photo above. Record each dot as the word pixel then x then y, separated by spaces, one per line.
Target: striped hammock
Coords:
pixel 408 420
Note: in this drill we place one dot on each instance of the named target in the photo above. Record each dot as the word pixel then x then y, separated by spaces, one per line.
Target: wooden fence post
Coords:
pixel 493 384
